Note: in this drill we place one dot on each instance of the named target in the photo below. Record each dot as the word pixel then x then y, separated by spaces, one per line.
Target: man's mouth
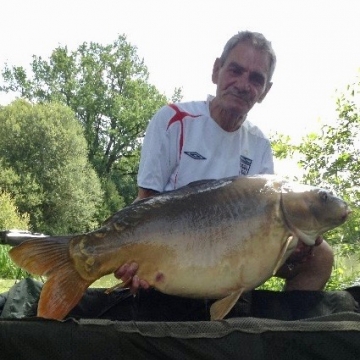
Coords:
pixel 239 96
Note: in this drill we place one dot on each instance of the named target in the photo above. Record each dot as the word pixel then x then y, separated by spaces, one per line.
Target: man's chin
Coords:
pixel 236 111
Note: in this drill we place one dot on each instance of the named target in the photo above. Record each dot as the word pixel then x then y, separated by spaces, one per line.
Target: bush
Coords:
pixel 10 218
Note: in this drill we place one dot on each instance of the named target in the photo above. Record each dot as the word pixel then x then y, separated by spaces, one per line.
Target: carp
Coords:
pixel 211 239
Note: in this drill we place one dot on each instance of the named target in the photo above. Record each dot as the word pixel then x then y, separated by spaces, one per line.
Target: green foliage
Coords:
pixel 10 218
pixel 107 88
pixel 113 201
pixel 124 176
pixel 331 159
pixel 8 269
pixel 44 158
pixel 177 95
pixel 346 270
pixel 281 146
pixel 274 284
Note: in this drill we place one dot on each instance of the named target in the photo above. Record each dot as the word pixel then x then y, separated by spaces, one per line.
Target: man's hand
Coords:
pixel 309 268
pixel 127 274
pixel 303 252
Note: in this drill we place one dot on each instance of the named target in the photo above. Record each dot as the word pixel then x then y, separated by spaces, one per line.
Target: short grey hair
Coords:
pixel 257 40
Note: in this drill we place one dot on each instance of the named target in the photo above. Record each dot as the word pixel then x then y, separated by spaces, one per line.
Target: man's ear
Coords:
pixel 216 69
pixel 267 89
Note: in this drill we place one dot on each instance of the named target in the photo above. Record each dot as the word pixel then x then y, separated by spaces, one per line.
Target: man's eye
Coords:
pixel 257 79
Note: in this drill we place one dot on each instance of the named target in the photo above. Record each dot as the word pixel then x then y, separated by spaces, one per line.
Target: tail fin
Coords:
pixel 50 257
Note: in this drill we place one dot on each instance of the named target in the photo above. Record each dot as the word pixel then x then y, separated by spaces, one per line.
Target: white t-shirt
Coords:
pixel 183 144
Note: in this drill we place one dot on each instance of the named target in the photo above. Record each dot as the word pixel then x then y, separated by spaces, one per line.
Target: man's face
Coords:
pixel 243 79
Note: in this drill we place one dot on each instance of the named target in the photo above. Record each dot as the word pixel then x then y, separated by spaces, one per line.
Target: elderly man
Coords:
pixel 212 139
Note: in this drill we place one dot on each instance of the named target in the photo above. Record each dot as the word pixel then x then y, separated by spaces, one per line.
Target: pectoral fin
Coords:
pixel 120 285
pixel 282 253
pixel 220 308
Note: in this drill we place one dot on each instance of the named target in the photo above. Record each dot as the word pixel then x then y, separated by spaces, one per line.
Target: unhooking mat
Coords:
pixel 263 325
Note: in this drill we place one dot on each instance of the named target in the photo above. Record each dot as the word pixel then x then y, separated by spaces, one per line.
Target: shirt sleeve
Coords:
pixel 158 158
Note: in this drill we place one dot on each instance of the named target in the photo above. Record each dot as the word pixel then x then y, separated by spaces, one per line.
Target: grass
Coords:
pixel 6 284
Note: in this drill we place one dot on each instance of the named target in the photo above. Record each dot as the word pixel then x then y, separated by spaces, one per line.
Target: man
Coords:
pixel 191 141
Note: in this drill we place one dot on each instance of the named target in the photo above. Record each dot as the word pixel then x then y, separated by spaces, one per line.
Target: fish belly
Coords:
pixel 194 270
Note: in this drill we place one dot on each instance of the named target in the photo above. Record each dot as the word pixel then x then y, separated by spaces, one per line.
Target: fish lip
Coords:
pixel 345 216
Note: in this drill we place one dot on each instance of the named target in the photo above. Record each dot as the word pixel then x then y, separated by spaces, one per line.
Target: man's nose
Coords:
pixel 242 83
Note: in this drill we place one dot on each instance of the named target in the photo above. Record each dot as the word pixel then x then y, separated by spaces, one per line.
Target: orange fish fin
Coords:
pixel 220 308
pixel 41 256
pixel 282 253
pixel 50 257
pixel 61 292
pixel 117 286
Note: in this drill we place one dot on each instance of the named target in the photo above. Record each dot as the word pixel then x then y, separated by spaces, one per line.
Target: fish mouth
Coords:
pixel 344 215
pixel 347 212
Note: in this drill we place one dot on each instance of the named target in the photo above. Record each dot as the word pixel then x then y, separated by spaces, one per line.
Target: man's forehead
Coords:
pixel 249 57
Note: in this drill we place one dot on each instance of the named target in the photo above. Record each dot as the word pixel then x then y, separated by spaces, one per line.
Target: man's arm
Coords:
pixel 144 193
pixel 156 158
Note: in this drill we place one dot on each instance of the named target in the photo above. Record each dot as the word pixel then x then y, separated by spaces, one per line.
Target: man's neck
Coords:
pixel 227 119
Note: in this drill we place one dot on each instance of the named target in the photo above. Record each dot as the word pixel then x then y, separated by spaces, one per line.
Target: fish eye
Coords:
pixel 323 196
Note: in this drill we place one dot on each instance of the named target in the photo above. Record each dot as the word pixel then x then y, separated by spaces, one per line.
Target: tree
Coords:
pixel 45 168
pixel 331 159
pixel 107 88
pixel 10 218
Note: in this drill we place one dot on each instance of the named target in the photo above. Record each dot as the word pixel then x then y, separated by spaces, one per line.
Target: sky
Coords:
pixel 316 42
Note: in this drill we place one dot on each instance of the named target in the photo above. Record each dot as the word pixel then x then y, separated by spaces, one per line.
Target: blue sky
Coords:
pixel 316 43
